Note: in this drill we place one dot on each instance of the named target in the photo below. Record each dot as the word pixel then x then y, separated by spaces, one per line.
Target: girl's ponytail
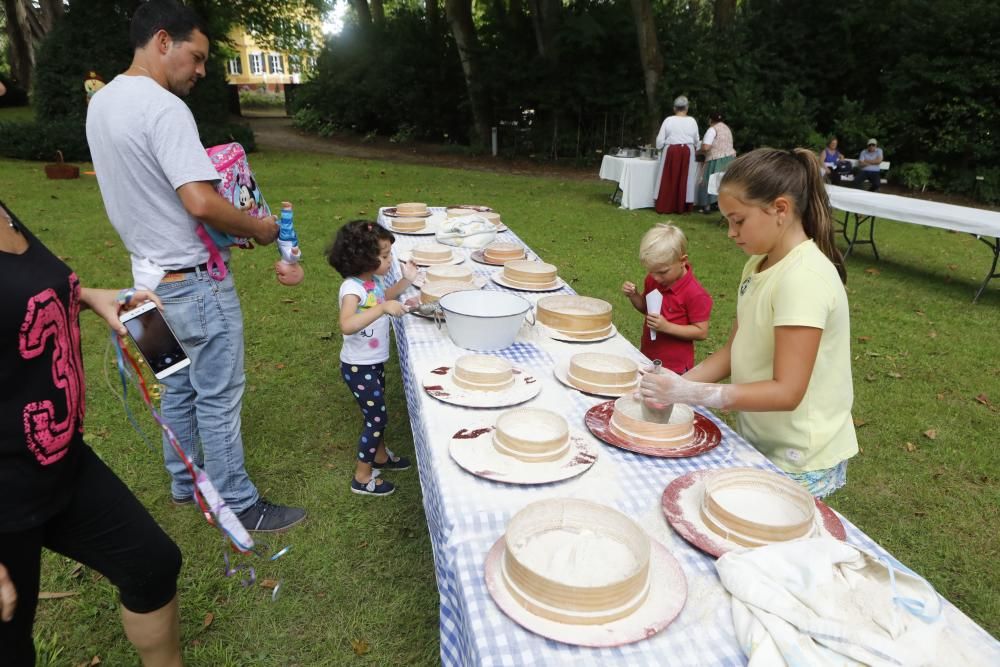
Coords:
pixel 817 216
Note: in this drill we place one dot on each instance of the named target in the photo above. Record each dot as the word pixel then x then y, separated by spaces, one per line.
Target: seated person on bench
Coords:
pixel 869 168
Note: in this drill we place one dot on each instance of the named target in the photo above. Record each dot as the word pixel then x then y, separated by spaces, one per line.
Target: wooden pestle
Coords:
pixel 657 415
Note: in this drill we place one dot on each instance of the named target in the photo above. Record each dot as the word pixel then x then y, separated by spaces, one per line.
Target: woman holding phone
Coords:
pixel 55 493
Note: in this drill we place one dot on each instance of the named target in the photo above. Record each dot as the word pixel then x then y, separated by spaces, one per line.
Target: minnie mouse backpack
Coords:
pixel 237 186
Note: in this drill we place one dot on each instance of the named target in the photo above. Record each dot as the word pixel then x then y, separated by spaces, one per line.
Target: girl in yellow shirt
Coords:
pixel 788 356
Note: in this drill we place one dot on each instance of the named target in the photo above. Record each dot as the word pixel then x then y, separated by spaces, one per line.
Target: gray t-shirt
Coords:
pixel 144 143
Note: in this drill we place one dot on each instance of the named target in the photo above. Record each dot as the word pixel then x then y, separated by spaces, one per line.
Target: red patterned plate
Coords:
pixel 707 435
pixel 391 212
pixel 682 502
pixel 473 207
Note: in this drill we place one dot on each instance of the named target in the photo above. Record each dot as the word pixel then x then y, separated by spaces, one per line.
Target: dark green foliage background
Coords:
pixel 914 73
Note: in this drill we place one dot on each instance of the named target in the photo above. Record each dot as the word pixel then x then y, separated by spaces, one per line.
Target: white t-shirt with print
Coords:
pixel 145 145
pixel 371 344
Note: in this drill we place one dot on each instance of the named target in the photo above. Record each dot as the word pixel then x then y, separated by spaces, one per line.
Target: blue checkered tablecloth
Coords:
pixel 467 514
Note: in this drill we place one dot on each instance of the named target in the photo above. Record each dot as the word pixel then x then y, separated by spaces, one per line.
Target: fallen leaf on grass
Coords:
pixel 920 514
pixel 858 423
pixel 268 583
pixel 326 336
pixel 46 595
pixel 864 339
pixel 940 397
pixel 984 399
pixel 932 334
pixel 279 366
pixel 96 660
pixel 872 271
pixel 288 301
pixel 76 571
pixel 910 447
pixel 871 377
pixel 894 374
pixel 360 646
pixel 919 312
pixel 209 617
pixel 931 434
pixel 953 267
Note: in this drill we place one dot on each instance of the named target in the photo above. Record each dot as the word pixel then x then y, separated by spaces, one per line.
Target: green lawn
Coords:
pixel 360 578
pixel 17 114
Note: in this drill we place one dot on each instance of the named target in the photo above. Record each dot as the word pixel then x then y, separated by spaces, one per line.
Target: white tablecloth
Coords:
pixel 916 211
pixel 635 177
pixel 466 514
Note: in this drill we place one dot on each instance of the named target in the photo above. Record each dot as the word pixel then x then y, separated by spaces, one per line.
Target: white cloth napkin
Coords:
pixel 469 231
pixel 825 602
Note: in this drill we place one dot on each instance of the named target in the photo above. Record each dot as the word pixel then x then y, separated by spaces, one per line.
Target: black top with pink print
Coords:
pixel 41 384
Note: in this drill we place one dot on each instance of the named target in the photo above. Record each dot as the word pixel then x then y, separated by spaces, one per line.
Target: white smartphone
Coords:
pixel 155 340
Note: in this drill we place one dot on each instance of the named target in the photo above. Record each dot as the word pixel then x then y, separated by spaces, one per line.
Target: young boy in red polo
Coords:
pixel 685 307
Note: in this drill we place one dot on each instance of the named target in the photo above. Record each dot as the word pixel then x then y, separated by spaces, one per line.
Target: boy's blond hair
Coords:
pixel 663 244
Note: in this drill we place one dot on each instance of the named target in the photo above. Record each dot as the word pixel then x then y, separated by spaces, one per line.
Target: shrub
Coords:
pixel 39 140
pixel 914 175
pixel 224 133
pixel 261 99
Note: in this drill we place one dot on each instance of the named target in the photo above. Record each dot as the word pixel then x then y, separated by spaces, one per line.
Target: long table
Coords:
pixel 861 208
pixel 636 179
pixel 467 514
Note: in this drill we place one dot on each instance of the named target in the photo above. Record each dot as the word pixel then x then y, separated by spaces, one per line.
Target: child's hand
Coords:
pixel 410 271
pixel 628 288
pixel 393 307
pixel 656 323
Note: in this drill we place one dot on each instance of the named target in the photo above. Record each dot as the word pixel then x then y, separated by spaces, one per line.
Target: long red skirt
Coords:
pixel 672 197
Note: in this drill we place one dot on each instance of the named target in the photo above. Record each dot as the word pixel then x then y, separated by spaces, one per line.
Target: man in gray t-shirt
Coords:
pixel 157 185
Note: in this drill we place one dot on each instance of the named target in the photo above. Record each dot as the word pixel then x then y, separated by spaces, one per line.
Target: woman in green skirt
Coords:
pixel 717 147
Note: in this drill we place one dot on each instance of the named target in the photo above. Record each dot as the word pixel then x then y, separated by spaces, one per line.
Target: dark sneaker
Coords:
pixel 373 487
pixel 180 502
pixel 266 517
pixel 392 463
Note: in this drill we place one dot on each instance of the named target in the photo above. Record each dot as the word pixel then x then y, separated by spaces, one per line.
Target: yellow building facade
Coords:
pixel 258 66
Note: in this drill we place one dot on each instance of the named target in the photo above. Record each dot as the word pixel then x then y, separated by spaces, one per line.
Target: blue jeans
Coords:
pixel 203 401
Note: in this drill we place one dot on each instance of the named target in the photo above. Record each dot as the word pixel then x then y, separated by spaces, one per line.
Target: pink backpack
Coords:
pixel 237 186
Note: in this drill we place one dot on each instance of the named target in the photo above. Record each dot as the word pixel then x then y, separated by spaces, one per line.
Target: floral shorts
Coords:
pixel 822 483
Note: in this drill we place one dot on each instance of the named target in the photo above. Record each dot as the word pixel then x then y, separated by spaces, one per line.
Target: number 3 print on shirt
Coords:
pixel 46 320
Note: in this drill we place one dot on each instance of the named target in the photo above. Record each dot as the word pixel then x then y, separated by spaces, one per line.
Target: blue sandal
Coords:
pixel 372 487
pixel 393 462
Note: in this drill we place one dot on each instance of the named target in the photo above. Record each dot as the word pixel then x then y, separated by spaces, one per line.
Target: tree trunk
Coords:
pixel 378 13
pixel 651 61
pixel 23 32
pixel 725 13
pixel 433 15
pixel 363 12
pixel 52 11
pixel 459 15
pixel 545 15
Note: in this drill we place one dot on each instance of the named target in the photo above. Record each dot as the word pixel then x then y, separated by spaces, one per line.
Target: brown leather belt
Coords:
pixel 176 275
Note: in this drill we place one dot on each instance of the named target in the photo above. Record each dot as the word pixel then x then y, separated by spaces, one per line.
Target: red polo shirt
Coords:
pixel 684 302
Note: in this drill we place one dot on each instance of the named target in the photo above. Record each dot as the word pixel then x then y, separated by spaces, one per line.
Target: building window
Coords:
pixel 275 64
pixel 295 64
pixel 256 63
pixel 235 65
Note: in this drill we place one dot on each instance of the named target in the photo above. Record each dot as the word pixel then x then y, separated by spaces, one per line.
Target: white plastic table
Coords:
pixel 861 207
pixel 636 178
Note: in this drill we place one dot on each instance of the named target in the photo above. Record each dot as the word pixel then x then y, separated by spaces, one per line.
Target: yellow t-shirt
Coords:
pixel 803 289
